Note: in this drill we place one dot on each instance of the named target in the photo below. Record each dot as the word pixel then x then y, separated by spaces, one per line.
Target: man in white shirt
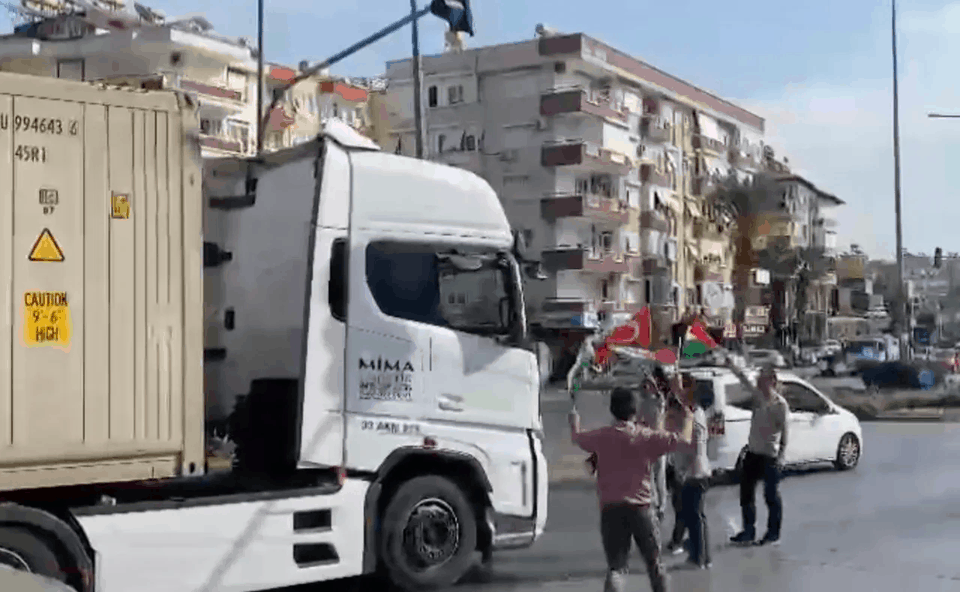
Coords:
pixel 693 473
pixel 765 453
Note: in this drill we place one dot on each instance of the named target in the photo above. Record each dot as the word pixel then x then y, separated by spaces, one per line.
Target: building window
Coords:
pixel 421 283
pixel 606 241
pixel 528 236
pixel 470 142
pixel 455 94
pixel 441 139
pixel 432 96
pixel 605 290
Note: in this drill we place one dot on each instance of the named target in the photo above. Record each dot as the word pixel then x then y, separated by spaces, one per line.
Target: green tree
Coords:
pixel 754 206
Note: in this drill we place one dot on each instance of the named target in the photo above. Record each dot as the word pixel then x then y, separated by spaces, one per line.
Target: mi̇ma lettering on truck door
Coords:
pixel 353 319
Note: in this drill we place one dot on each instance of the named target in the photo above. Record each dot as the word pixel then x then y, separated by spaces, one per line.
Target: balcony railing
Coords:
pixel 578 100
pixel 651 220
pixel 705 229
pixel 211 90
pixel 586 155
pixel 224 144
pixel 563 312
pixel 703 273
pixel 591 206
pixel 656 129
pixel 704 185
pixel 649 175
pixel 652 266
pixel 583 259
pixel 744 160
pixel 701 142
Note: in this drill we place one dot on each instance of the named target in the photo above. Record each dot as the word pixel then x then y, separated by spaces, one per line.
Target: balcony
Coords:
pixel 656 129
pixel 743 160
pixel 703 273
pixel 704 185
pixel 211 91
pixel 711 145
pixel 577 100
pixel 706 230
pixel 649 175
pixel 656 266
pixel 222 144
pixel 652 220
pixel 590 206
pixel 586 156
pixel 582 259
pixel 562 312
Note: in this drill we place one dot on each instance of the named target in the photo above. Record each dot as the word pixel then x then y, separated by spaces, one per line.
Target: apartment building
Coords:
pixel 106 41
pixel 603 162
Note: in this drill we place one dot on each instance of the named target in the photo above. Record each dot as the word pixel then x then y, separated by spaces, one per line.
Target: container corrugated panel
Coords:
pixel 101 259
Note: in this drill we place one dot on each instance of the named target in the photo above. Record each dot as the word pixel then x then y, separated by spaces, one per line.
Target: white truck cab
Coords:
pixel 355 318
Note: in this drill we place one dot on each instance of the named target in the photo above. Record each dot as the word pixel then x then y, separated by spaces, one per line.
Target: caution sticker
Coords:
pixel 46 319
pixel 46 248
pixel 120 206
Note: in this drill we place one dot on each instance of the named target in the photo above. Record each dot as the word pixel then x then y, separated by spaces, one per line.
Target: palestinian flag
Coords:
pixel 697 341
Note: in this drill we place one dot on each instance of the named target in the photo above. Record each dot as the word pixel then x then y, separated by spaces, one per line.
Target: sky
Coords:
pixel 819 71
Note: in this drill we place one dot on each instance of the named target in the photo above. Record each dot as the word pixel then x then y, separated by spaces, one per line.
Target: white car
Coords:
pixel 820 431
pixel 762 357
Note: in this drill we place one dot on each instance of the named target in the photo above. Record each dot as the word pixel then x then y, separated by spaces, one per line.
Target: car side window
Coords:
pixel 803 400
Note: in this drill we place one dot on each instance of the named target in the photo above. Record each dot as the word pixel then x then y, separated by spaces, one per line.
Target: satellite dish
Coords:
pixel 148 14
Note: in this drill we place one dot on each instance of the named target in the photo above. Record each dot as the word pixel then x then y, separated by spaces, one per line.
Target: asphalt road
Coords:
pixel 890 525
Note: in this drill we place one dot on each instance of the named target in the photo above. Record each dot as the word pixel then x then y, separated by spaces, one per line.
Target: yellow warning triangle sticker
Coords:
pixel 46 248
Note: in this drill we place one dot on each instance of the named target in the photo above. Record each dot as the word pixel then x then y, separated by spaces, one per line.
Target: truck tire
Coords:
pixel 22 550
pixel 428 534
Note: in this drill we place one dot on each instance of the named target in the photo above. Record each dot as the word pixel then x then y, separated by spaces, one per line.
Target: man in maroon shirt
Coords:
pixel 625 452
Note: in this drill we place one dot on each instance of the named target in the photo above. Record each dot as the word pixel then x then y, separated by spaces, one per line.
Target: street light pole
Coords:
pixel 901 289
pixel 417 83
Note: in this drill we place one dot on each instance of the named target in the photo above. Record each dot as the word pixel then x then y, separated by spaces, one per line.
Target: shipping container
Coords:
pixel 100 214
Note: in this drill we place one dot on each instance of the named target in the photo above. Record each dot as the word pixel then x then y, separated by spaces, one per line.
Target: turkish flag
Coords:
pixel 637 332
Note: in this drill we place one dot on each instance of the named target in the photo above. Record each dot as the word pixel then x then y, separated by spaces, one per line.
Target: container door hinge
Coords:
pixel 214 256
pixel 214 354
pixel 236 202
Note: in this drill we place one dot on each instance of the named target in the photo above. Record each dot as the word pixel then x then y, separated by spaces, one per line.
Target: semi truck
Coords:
pixel 356 317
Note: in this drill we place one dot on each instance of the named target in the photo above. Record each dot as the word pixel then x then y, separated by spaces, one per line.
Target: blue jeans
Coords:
pixel 694 518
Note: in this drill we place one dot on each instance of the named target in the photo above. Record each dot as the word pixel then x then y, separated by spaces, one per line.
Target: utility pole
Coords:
pixel 417 83
pixel 261 120
pixel 901 289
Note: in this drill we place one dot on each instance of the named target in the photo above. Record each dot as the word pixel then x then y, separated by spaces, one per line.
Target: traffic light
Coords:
pixel 937 258
pixel 456 12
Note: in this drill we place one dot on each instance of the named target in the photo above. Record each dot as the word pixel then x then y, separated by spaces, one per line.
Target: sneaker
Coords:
pixel 674 549
pixel 742 537
pixel 770 539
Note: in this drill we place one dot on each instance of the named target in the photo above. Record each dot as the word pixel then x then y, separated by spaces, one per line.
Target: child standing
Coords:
pixel 625 452
pixel 693 472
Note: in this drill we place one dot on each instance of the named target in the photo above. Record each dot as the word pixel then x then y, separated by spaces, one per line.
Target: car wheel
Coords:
pixel 848 452
pixel 429 534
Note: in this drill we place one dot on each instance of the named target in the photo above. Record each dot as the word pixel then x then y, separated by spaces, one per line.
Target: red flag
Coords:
pixel 636 332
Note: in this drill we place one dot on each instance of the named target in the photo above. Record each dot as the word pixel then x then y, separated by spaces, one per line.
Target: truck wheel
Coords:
pixel 20 549
pixel 429 534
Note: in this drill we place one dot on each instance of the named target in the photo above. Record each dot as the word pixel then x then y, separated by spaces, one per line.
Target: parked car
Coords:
pixel 762 357
pixel 820 430
pixel 898 375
